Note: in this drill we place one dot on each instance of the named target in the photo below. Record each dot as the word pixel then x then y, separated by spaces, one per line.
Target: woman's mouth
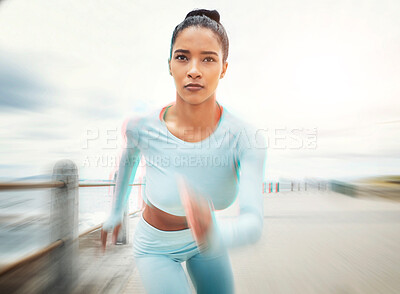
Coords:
pixel 193 87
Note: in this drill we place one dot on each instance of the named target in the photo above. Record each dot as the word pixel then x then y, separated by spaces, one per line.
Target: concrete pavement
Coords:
pixel 313 242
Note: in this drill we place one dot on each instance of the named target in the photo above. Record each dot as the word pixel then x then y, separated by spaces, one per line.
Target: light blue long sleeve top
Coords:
pixel 226 165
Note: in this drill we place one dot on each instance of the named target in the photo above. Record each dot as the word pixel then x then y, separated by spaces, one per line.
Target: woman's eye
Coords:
pixel 181 57
pixel 209 59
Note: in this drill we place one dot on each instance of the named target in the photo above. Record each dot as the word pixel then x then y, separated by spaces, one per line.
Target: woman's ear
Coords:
pixel 224 68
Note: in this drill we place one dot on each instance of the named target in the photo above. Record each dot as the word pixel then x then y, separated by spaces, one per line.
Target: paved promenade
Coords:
pixel 313 242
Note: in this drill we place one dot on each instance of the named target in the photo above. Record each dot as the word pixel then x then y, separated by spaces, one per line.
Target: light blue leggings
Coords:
pixel 159 254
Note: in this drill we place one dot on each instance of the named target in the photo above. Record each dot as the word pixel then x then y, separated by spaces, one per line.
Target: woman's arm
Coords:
pixel 128 164
pixel 247 227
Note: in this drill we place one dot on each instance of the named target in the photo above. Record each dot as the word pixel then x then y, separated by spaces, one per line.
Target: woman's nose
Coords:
pixel 194 71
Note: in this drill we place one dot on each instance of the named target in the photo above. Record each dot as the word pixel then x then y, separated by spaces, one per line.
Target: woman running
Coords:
pixel 199 158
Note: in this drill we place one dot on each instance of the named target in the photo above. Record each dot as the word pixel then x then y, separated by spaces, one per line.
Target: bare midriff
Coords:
pixel 162 220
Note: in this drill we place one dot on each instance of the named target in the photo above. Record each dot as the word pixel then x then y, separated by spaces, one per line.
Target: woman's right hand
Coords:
pixel 198 214
pixel 104 234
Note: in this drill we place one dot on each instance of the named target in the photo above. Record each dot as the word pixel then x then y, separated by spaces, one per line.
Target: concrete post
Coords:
pixel 123 236
pixel 124 232
pixel 64 226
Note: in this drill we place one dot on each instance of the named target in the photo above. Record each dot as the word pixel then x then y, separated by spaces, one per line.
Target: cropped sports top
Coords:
pixel 227 164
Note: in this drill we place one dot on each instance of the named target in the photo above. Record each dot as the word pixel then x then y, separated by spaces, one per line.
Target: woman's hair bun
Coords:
pixel 213 14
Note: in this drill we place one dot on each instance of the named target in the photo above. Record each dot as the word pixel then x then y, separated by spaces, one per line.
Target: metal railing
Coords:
pixel 276 187
pixel 24 185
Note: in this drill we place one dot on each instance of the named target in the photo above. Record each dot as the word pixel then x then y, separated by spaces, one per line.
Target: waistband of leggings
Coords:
pixel 185 234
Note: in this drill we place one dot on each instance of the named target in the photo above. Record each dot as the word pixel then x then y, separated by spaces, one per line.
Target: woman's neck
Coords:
pixel 193 122
pixel 204 115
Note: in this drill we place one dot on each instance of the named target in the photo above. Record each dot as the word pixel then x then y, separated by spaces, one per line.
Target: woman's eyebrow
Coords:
pixel 181 51
pixel 202 52
pixel 209 52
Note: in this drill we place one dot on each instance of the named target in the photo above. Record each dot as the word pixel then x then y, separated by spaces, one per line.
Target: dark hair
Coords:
pixel 206 19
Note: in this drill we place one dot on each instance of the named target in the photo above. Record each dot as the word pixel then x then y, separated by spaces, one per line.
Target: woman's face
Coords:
pixel 196 64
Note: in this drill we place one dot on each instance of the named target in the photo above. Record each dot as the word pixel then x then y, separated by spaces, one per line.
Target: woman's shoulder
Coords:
pixel 236 124
pixel 138 126
pixel 246 133
pixel 141 121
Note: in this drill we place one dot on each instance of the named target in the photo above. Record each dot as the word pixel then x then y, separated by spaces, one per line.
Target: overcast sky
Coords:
pixel 320 77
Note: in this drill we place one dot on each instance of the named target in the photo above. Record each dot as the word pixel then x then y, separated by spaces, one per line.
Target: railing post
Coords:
pixel 64 226
pixel 123 236
pixel 124 232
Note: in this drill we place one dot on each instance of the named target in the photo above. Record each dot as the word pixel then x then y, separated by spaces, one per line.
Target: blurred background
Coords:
pixel 71 71
pixel 320 79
